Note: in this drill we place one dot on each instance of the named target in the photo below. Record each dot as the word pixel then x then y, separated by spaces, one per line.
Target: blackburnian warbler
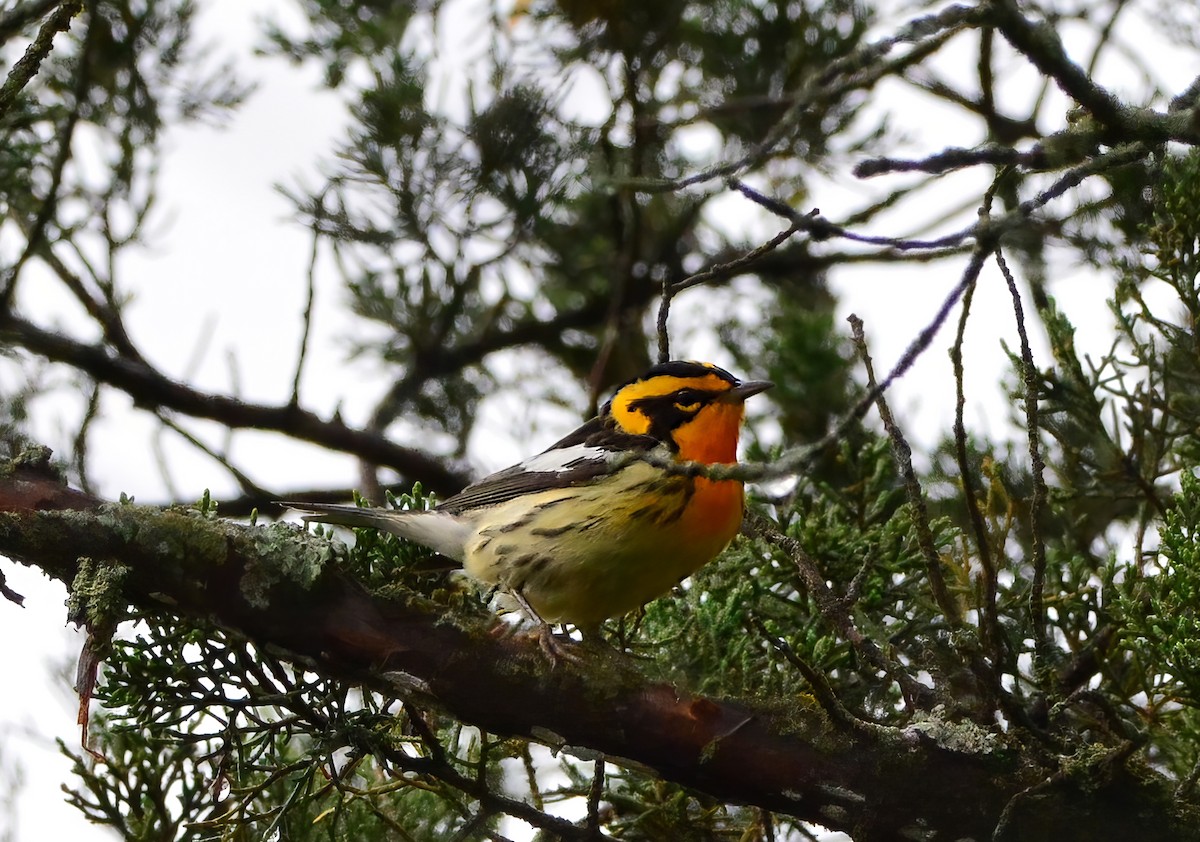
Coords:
pixel 576 534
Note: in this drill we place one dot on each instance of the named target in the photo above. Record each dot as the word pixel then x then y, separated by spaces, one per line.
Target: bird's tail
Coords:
pixel 347 515
pixel 439 531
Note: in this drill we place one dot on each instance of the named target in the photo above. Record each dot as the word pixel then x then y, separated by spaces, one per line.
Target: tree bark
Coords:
pixel 281 587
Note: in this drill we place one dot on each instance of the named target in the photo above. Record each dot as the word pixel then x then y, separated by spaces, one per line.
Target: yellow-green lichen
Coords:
pixel 959 735
pixel 27 455
pixel 282 553
pixel 97 594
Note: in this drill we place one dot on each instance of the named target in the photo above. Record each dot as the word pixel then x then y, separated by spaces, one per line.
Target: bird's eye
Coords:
pixel 688 400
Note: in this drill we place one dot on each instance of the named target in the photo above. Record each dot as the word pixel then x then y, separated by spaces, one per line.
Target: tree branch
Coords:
pixel 1039 43
pixel 27 66
pixel 152 389
pixel 952 778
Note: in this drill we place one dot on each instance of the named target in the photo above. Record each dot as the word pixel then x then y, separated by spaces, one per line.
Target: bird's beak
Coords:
pixel 744 390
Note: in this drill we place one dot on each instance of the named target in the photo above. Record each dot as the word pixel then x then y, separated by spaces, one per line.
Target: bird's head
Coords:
pixel 694 408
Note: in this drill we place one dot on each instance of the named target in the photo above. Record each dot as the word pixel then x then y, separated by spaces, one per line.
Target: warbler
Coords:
pixel 581 532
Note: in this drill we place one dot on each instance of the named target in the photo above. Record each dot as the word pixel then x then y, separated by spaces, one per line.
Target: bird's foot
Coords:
pixel 557 647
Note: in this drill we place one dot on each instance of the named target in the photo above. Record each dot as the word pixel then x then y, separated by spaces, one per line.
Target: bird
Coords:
pixel 588 529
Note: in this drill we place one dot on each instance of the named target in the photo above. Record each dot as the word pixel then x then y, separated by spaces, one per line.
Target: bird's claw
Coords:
pixel 556 647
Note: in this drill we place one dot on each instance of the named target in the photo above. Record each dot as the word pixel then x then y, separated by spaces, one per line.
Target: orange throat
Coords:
pixel 712 437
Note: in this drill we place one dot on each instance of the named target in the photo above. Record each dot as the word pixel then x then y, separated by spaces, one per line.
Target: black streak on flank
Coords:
pixel 542 532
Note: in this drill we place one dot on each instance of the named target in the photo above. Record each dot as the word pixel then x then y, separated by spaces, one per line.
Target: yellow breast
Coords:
pixel 582 555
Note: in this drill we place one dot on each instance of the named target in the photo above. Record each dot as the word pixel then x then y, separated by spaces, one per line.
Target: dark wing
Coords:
pixel 577 459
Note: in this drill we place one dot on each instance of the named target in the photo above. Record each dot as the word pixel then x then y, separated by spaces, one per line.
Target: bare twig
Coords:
pixel 627 232
pixel 955 158
pixel 1042 46
pixel 93 301
pixel 1105 37
pixel 822 229
pixel 987 233
pixel 799 459
pixel 310 297
pixel 717 272
pixel 149 387
pixel 858 71
pixel 439 767
pixel 912 486
pixel 79 447
pixel 992 637
pixel 1037 466
pixel 535 791
pixel 249 487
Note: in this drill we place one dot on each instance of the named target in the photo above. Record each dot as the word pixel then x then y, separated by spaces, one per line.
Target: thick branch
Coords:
pixel 150 388
pixel 1039 42
pixel 27 66
pixel 281 587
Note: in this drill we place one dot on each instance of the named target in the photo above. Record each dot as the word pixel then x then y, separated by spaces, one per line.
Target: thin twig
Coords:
pixel 595 792
pixel 149 387
pixel 310 297
pixel 1120 156
pixel 822 691
pixel 991 624
pixel 1041 45
pixel 79 447
pixel 912 486
pixel 1037 465
pixel 834 612
pixel 535 791
pixel 985 231
pixel 439 767
pixel 103 311
pixel 628 233
pixel 822 229
pixel 17 79
pixel 1105 37
pixel 858 71
pixel 664 310
pixel 800 459
pixel 955 158
pixel 722 270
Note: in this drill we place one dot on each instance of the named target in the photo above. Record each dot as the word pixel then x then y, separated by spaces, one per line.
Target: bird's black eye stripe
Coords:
pixel 682 397
pixel 690 396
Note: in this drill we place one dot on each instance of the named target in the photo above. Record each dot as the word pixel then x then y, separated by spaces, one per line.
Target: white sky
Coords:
pixel 220 280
